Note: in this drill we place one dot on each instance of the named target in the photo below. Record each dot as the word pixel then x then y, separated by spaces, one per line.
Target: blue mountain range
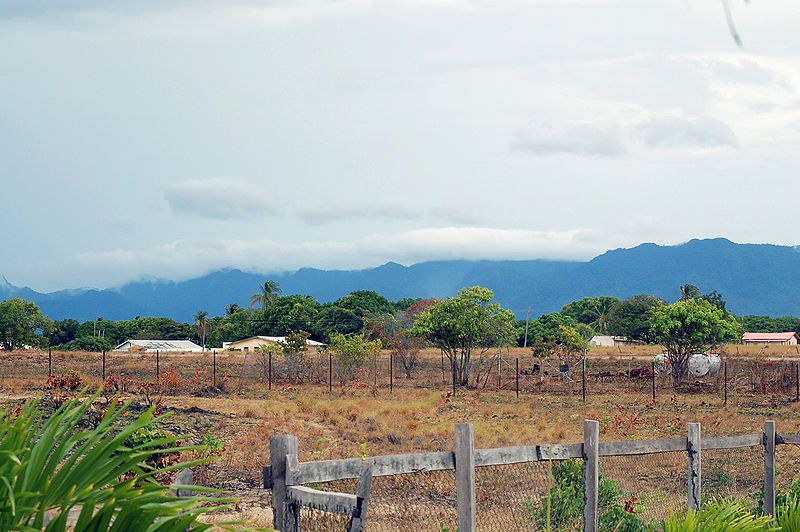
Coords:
pixel 758 279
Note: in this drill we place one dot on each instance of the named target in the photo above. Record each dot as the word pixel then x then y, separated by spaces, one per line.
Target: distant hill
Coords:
pixel 753 278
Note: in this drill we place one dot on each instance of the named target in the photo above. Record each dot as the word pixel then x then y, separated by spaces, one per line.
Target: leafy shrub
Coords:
pixel 561 509
pixel 160 443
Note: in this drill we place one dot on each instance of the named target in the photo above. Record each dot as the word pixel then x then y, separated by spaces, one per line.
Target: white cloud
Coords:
pixel 573 139
pixel 186 258
pixel 219 198
pixel 388 212
pixel 682 132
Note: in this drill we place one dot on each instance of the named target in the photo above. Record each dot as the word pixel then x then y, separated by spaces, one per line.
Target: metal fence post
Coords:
pixel 465 476
pixel 49 362
pixel 269 377
pixel 391 372
pixel 693 450
pixel 591 448
pixel 104 366
pixel 280 445
pixel 158 373
pixel 769 468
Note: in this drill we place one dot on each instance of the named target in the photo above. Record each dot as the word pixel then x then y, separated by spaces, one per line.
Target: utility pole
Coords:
pixel 527 317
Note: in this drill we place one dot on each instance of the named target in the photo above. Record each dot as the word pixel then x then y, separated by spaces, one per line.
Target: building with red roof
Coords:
pixel 787 338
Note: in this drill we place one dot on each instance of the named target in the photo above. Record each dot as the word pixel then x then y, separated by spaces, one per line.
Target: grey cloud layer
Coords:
pixel 219 198
pixel 672 133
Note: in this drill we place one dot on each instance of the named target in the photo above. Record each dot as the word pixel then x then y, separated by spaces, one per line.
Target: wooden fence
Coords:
pixel 285 474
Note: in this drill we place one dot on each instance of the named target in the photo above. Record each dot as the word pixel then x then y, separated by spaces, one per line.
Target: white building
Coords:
pixel 151 346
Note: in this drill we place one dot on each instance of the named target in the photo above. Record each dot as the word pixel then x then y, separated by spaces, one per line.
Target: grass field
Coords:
pixel 418 415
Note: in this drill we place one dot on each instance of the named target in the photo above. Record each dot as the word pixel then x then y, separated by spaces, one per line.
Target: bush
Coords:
pixel 561 509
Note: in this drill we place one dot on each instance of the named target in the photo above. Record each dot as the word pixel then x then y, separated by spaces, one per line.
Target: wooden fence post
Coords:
pixel 391 372
pixel 280 446
pixel 517 364
pixel 591 452
pixel 158 372
pixel 769 468
pixel 726 382
pixel 465 476
pixel 694 478
pixel 797 381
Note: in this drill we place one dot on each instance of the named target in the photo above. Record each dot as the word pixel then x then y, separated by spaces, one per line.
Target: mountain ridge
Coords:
pixel 752 278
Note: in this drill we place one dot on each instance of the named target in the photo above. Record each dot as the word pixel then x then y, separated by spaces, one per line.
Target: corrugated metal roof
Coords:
pixel 163 345
pixel 767 337
pixel 275 339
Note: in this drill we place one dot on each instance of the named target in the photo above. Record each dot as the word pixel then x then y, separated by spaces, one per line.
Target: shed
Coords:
pixel 786 338
pixel 151 346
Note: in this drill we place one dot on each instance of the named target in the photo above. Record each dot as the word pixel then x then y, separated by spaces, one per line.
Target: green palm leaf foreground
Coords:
pixel 50 466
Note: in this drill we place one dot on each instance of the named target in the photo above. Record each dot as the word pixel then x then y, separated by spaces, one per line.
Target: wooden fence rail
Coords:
pixel 285 476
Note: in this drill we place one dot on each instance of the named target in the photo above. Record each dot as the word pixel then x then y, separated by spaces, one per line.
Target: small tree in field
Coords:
pixel 690 326
pixel 352 352
pixel 461 325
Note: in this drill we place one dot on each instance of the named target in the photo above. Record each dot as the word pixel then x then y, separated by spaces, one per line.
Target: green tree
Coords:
pixel 469 322
pixel 202 323
pixel 352 352
pixel 690 326
pixel 363 302
pixel 232 309
pixel 592 311
pixel 631 318
pixel 21 324
pixel 546 329
pixel 268 292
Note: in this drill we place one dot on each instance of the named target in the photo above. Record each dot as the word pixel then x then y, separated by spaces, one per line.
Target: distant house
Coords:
pixel 151 346
pixel 611 341
pixel 254 342
pixel 786 338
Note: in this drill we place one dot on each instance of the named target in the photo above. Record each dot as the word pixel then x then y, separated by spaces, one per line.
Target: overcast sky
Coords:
pixel 167 139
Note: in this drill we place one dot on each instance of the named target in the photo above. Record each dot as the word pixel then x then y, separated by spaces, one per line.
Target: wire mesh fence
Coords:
pixel 511 496
pixel 652 485
pixel 752 380
pixel 733 474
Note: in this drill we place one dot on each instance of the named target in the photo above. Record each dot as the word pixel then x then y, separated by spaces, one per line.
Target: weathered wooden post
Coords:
pixel 769 468
pixel 694 478
pixel 391 372
pixel 158 371
pixel 517 363
pixel 591 478
pixel 280 446
pixel 465 476
pixel 797 381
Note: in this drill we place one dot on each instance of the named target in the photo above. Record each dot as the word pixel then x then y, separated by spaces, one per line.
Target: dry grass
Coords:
pixel 416 418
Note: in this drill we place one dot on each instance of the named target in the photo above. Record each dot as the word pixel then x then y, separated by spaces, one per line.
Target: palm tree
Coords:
pixel 268 292
pixel 201 322
pixel 232 309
